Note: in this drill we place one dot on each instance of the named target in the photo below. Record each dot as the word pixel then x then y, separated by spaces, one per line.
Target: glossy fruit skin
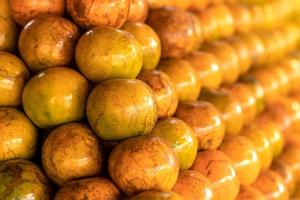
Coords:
pixel 249 192
pixel 25 11
pixel 22 179
pixel 229 108
pixel 149 42
pixel 40 50
pixel 193 185
pixel 181 137
pixel 104 53
pixel 262 145
pixel 138 11
pixel 291 158
pixel 242 18
pixel 121 108
pixel 228 60
pixel 292 66
pixel 177 30
pixel 8 34
pixel 91 188
pixel 157 195
pixel 18 138
pixel 218 168
pixel 206 121
pixel 5 9
pixel 131 160
pixel 13 76
pixel 286 173
pixel 271 185
pixel 207 67
pixel 91 13
pixel 164 92
pixel 209 24
pixel 225 20
pixel 55 96
pixel 65 148
pixel 183 76
pixel 244 158
pixel 246 99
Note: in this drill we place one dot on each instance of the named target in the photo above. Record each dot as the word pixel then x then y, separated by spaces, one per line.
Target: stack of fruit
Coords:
pixel 149 100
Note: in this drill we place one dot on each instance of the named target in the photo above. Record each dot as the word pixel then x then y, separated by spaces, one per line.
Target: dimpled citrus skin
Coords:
pixel 262 145
pixel 219 169
pixel 8 34
pixel 143 163
pixel 22 179
pixel 229 107
pixel 157 195
pixel 25 11
pixel 48 41
pixel 90 13
pixel 138 11
pixel 177 30
pixel 181 137
pixel 249 192
pixel 121 108
pixel 13 75
pixel 244 158
pixel 163 90
pixel 207 67
pixel 149 42
pixel 18 138
pixel 187 84
pixel 206 121
pixel 271 185
pixel 70 152
pixel 193 185
pixel 104 53
pixel 55 96
pixel 91 189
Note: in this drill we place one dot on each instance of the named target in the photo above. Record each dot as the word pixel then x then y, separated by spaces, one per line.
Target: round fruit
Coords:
pixel 177 30
pixel 104 53
pixel 163 90
pixel 291 158
pixel 228 60
pixel 244 157
pixel 193 185
pixel 262 145
pixel 13 75
pixel 183 76
pixel 5 9
pixel 181 137
pixel 21 179
pixel 149 42
pixel 283 79
pixel 90 13
pixel 8 34
pixel 242 18
pixel 40 49
pixel 243 54
pixel 157 195
pixel 229 107
pixel 249 192
pixel 286 173
pixel 25 11
pixel 207 67
pixel 292 67
pixel 55 96
pixel 70 152
pixel 121 108
pixel 206 121
pixel 138 11
pixel 271 185
pixel 18 138
pixel 218 168
pixel 209 24
pixel 142 155
pixel 92 189
pixel 246 99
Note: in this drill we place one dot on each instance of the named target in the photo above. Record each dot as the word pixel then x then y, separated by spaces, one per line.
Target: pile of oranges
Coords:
pixel 149 100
